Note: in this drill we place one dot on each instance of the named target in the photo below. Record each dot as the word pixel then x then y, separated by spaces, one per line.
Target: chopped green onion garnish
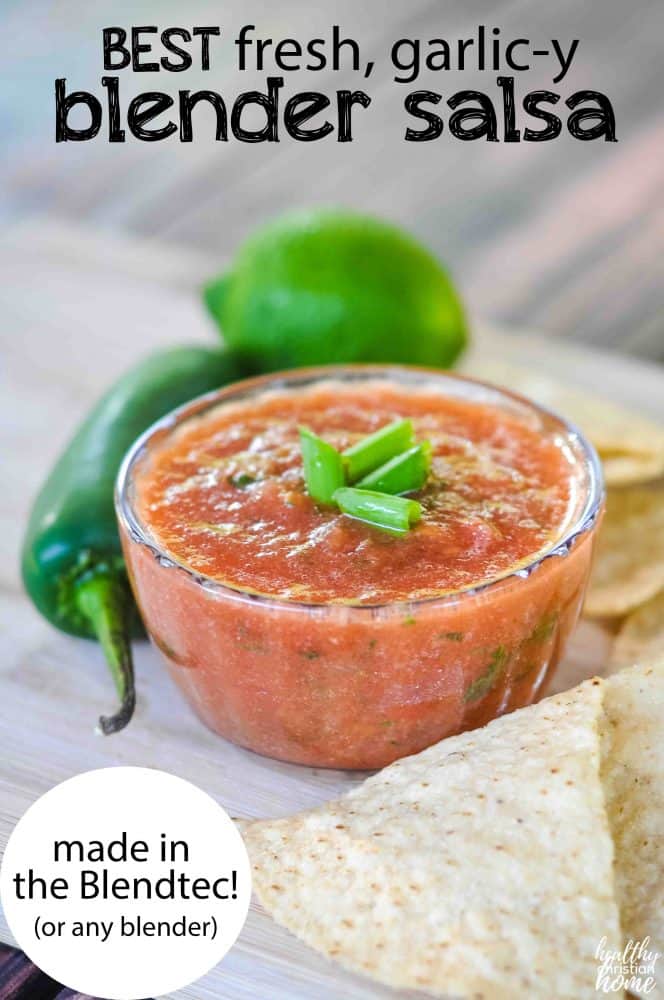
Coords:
pixel 323 466
pixel 403 473
pixel 378 448
pixel 390 513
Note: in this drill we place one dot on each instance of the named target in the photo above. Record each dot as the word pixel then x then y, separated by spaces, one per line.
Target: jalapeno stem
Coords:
pixel 102 599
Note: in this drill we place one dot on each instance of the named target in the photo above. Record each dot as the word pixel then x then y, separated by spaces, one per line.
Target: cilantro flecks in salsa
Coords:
pixel 226 496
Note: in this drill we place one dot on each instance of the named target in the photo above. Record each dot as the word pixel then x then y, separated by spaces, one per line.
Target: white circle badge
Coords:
pixel 125 882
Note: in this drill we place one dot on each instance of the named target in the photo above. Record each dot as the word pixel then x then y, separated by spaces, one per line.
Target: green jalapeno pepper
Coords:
pixel 72 562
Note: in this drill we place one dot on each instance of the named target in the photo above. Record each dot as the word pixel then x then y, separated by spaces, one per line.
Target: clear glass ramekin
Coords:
pixel 376 691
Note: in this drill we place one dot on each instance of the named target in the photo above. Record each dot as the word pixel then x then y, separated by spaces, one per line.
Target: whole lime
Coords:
pixel 325 287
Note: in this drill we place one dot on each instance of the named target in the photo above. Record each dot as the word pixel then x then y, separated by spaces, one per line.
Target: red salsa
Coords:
pixel 227 497
pixel 303 634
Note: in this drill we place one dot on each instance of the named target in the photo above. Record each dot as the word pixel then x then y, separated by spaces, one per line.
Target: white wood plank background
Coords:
pixel 564 236
pixel 74 311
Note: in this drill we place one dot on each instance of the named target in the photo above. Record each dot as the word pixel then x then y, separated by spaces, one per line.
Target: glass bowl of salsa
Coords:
pixel 309 636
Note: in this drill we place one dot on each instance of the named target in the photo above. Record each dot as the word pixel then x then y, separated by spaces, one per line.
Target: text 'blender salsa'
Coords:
pixel 226 497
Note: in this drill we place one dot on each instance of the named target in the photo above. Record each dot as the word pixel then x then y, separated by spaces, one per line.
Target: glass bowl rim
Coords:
pixel 300 377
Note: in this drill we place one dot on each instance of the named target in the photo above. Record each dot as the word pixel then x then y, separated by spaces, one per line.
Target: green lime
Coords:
pixel 330 286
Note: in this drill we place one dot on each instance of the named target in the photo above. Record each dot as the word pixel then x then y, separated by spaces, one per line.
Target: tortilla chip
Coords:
pixel 629 563
pixel 630 446
pixel 481 867
pixel 633 775
pixel 628 469
pixel 641 636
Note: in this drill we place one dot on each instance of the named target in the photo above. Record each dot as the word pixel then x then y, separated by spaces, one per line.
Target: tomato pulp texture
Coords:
pixel 332 642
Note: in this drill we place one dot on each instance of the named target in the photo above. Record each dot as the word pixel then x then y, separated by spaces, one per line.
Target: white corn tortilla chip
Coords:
pixel 481 867
pixel 631 447
pixel 633 777
pixel 629 562
pixel 641 636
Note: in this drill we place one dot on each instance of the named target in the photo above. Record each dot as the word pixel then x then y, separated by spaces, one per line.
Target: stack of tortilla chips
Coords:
pixel 627 587
pixel 508 862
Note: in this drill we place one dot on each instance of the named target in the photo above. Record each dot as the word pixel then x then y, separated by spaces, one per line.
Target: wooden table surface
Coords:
pixel 563 236
pixel 74 311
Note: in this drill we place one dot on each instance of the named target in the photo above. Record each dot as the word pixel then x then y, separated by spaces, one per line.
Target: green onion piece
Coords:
pixel 378 448
pixel 395 514
pixel 403 473
pixel 323 466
